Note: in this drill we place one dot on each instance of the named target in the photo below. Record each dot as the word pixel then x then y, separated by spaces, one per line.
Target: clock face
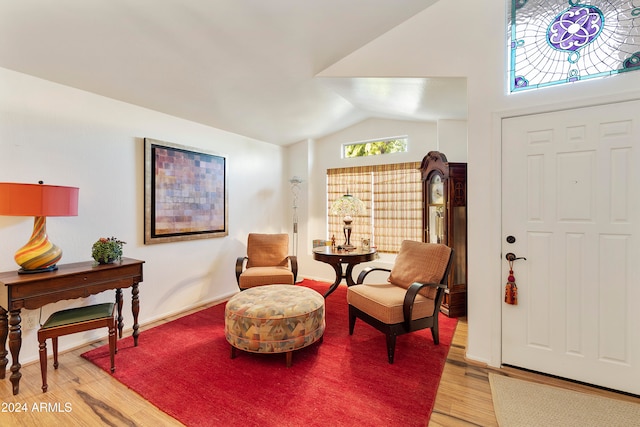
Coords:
pixel 437 190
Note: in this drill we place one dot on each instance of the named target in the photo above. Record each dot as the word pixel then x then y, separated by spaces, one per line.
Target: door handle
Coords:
pixel 512 257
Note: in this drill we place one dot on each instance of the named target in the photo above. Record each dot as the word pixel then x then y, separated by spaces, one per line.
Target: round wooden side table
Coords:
pixel 336 258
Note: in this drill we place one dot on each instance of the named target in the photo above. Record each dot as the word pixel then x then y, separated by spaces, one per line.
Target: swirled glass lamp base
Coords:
pixel 39 254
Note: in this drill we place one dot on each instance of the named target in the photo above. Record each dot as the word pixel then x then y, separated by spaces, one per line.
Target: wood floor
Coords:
pixel 464 394
pixel 82 394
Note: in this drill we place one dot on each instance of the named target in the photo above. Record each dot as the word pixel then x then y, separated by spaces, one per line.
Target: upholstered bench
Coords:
pixel 274 319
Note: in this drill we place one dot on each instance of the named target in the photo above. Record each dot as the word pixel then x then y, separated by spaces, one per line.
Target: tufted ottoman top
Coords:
pixel 274 318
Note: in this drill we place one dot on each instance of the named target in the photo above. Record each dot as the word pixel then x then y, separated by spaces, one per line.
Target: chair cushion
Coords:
pixel 258 276
pixel 420 262
pixel 267 250
pixel 384 302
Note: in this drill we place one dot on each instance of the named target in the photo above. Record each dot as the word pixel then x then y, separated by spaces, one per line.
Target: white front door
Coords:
pixel 571 200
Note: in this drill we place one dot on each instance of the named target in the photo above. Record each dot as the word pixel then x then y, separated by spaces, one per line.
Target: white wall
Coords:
pixel 467 38
pixel 452 139
pixel 65 136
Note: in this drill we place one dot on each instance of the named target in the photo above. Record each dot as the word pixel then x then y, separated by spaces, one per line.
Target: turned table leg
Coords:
pixel 135 308
pixel 4 333
pixel 120 318
pixel 15 343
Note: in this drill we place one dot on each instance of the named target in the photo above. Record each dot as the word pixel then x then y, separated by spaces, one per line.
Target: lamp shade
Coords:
pixel 348 205
pixel 37 200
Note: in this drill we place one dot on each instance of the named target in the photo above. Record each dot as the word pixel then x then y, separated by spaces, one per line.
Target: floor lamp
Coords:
pixel 39 201
pixel 295 190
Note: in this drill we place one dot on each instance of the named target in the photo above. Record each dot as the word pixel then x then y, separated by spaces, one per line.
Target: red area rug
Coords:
pixel 184 368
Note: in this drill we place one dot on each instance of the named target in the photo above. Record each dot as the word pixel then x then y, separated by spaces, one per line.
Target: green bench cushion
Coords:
pixel 78 315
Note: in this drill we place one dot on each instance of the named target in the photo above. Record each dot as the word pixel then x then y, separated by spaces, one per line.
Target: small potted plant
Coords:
pixel 107 250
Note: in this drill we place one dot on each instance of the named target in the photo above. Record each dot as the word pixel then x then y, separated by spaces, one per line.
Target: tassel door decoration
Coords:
pixel 511 290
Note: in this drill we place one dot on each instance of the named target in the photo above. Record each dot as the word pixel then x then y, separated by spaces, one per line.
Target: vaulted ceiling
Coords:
pixel 245 66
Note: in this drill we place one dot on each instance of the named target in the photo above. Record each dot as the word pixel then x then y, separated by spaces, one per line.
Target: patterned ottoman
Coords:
pixel 274 319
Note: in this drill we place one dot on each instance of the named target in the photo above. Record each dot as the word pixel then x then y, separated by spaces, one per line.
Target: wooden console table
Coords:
pixel 76 280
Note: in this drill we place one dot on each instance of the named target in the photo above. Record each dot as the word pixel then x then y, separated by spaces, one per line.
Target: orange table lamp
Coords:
pixel 39 201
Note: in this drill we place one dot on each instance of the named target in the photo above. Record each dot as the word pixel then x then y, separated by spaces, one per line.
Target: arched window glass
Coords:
pixel 564 41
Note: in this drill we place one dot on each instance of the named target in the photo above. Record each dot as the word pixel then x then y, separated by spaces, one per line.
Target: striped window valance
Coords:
pixel 392 194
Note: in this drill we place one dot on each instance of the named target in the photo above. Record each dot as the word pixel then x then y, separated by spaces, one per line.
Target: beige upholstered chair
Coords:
pixel 267 262
pixel 411 298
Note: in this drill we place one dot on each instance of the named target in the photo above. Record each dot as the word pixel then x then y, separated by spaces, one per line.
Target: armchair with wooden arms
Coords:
pixel 267 262
pixel 411 298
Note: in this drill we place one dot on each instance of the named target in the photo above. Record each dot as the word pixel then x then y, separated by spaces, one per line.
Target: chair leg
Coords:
pixel 54 341
pixel 391 347
pixel 43 364
pixel 434 333
pixel 112 346
pixel 352 320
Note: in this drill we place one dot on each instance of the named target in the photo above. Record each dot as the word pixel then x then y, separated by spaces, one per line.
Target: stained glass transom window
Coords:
pixel 564 41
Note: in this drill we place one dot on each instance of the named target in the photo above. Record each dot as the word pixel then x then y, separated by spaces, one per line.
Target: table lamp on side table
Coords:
pixel 39 201
pixel 348 206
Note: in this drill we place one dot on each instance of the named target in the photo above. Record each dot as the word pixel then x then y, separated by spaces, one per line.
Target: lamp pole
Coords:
pixel 295 190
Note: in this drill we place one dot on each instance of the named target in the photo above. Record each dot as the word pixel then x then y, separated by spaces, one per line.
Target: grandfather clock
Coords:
pixel 444 196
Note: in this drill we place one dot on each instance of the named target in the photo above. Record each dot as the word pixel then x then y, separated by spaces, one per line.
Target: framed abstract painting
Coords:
pixel 185 193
